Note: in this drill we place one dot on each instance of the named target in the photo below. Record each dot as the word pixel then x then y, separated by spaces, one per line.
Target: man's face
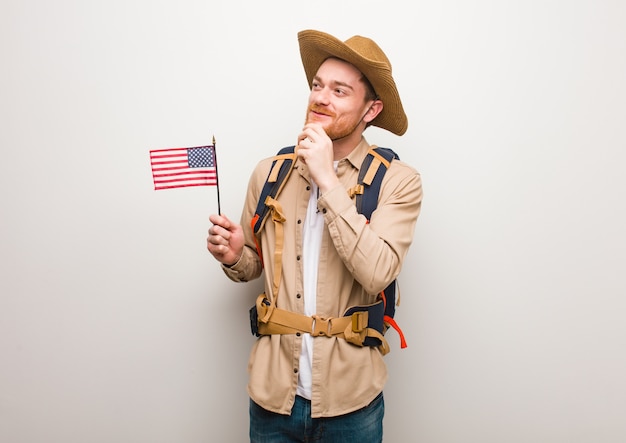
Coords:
pixel 337 99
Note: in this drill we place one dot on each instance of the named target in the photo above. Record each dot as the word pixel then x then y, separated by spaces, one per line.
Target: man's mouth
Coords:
pixel 319 112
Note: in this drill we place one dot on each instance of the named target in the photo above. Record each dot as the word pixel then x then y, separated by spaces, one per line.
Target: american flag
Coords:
pixel 181 167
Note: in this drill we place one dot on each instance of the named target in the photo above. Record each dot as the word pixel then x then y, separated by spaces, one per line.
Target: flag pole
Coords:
pixel 217 177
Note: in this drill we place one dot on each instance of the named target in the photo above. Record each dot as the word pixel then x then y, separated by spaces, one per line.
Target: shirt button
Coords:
pixel 295 370
pixel 298 334
pixel 324 211
pixel 299 221
pixel 298 258
pixel 298 295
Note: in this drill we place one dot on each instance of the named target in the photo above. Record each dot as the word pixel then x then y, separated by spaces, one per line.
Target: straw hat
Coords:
pixel 367 57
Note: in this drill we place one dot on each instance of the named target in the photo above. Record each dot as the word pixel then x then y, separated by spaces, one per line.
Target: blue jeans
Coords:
pixel 362 426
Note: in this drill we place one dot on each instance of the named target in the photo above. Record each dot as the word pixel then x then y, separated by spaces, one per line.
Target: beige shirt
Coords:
pixel 357 261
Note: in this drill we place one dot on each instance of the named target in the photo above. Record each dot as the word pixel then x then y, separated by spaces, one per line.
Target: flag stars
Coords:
pixel 201 157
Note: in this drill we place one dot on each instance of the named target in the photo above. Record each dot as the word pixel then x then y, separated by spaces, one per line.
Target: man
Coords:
pixel 325 388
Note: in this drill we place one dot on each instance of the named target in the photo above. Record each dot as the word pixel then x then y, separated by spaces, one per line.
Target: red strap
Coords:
pixel 391 322
pixel 258 248
pixel 383 297
pixel 395 326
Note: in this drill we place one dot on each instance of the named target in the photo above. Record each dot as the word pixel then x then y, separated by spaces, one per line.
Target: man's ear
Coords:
pixel 375 108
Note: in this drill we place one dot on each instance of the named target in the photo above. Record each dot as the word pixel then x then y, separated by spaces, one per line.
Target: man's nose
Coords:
pixel 321 96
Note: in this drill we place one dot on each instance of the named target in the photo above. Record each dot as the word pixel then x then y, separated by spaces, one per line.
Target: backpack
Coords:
pixel 363 325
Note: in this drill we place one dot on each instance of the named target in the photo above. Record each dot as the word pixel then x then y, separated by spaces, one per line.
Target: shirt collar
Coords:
pixel 358 154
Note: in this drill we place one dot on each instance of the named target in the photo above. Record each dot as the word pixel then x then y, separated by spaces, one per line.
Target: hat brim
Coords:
pixel 317 46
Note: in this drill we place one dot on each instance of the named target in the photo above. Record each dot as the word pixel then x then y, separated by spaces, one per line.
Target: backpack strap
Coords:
pixel 366 191
pixel 282 166
pixel 356 326
pixel 276 179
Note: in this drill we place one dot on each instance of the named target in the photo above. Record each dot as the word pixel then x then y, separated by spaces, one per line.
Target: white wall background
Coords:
pixel 117 326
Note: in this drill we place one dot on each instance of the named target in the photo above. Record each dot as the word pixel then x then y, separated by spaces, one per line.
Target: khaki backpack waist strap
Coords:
pixel 352 328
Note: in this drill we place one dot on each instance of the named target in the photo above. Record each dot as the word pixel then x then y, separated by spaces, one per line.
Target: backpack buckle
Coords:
pixel 321 326
pixel 359 321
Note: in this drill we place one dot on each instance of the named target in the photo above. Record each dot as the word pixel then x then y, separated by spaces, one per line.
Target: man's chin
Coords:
pixel 319 122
